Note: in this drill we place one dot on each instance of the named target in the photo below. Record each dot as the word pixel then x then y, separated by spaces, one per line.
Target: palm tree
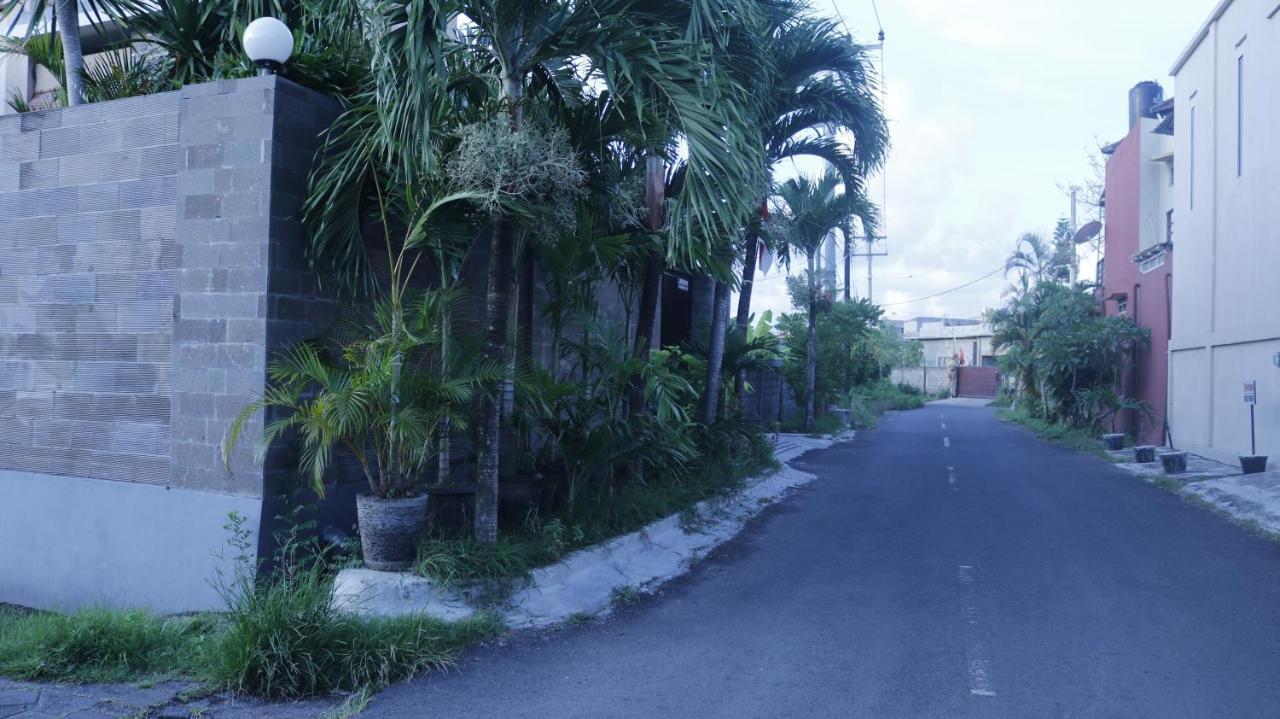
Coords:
pixel 1035 260
pixel 428 80
pixel 691 212
pixel 64 17
pixel 812 208
pixel 820 85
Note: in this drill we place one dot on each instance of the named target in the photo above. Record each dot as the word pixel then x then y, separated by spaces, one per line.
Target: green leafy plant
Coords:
pixel 1063 352
pixel 588 434
pixel 383 390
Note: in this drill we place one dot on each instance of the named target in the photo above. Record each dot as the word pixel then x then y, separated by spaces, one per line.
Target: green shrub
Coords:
pixel 861 413
pixel 284 639
pixel 1082 439
pixel 462 561
pixel 99 645
pixel 729 451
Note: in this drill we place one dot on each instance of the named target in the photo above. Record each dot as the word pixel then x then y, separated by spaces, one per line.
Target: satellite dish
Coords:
pixel 1088 232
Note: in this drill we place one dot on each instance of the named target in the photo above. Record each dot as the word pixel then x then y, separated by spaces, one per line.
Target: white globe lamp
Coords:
pixel 268 42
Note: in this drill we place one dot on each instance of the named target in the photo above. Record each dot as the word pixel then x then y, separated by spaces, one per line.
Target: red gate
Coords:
pixel 977 382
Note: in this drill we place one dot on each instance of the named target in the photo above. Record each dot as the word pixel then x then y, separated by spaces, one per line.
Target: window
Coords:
pixel 944 361
pixel 1168 226
pixel 1240 116
pixel 1152 263
pixel 1122 307
pixel 1191 181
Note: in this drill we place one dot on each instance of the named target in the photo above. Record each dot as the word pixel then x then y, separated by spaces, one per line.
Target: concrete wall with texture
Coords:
pixel 150 264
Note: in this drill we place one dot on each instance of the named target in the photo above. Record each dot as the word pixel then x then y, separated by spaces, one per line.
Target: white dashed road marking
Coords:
pixel 951 477
pixel 975 657
pixel 946 441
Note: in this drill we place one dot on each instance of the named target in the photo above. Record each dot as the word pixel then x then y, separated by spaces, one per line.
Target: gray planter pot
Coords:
pixel 1253 464
pixel 1174 462
pixel 1114 442
pixel 389 530
pixel 1146 454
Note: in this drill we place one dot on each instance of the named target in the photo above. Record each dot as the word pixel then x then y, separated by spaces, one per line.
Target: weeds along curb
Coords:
pixel 1206 498
pixel 589 581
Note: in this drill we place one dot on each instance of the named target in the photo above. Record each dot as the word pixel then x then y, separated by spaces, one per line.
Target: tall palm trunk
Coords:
pixel 654 197
pixel 750 252
pixel 497 310
pixel 811 360
pixel 67 14
pixel 715 355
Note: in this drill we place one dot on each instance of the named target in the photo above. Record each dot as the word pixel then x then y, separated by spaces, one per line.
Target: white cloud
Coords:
pixel 992 104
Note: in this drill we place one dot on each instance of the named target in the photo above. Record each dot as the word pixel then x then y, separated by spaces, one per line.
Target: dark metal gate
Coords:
pixel 977 382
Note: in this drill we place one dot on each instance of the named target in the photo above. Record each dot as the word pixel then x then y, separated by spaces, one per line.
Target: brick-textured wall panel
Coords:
pixel 150 263
pixel 85 291
pixel 238 196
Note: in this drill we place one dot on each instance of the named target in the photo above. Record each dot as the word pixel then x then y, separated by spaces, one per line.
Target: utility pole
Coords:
pixel 869 254
pixel 869 258
pixel 1074 260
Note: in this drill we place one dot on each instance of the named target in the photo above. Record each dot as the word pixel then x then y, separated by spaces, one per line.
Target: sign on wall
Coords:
pixel 1251 392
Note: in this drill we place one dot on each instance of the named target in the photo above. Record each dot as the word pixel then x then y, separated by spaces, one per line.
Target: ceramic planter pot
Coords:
pixel 1253 464
pixel 1145 454
pixel 1114 442
pixel 1174 462
pixel 390 529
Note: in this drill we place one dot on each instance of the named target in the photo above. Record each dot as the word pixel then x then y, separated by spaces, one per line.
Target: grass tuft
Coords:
pixel 99 645
pixel 286 640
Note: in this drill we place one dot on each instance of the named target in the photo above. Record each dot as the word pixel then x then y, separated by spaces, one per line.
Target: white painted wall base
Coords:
pixel 72 542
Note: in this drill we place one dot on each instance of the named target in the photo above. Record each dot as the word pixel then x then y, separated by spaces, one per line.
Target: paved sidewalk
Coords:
pixel 164 700
pixel 1249 497
pixel 1252 498
pixel 23 699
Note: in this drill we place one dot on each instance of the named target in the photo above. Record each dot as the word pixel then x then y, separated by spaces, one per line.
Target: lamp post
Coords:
pixel 269 43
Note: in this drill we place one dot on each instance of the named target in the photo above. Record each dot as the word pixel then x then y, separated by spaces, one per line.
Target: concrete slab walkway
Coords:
pixel 163 700
pixel 1249 498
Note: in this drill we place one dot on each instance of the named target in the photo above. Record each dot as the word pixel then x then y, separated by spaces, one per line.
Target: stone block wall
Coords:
pixel 930 380
pixel 151 263
pixel 87 259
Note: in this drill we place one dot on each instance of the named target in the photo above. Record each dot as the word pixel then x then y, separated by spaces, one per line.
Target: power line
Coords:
pixel 1001 268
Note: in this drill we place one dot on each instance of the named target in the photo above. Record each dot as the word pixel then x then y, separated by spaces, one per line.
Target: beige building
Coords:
pixel 948 341
pixel 1226 285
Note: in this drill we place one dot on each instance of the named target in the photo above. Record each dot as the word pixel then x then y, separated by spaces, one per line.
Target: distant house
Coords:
pixel 1135 274
pixel 24 83
pixel 1226 327
pixel 949 342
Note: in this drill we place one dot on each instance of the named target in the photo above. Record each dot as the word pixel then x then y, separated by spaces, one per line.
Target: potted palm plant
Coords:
pixel 384 389
pixel 1104 405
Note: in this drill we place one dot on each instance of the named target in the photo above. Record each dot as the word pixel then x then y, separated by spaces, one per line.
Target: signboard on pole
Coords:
pixel 1251 392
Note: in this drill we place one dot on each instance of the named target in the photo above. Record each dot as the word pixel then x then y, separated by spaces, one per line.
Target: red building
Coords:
pixel 1135 274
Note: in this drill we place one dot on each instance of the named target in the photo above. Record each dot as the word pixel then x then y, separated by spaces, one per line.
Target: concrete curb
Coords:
pixel 588 580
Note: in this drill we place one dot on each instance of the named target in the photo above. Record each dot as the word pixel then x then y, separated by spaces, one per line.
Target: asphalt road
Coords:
pixel 944 565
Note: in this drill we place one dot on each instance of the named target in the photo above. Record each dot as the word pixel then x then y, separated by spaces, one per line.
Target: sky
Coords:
pixel 993 105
